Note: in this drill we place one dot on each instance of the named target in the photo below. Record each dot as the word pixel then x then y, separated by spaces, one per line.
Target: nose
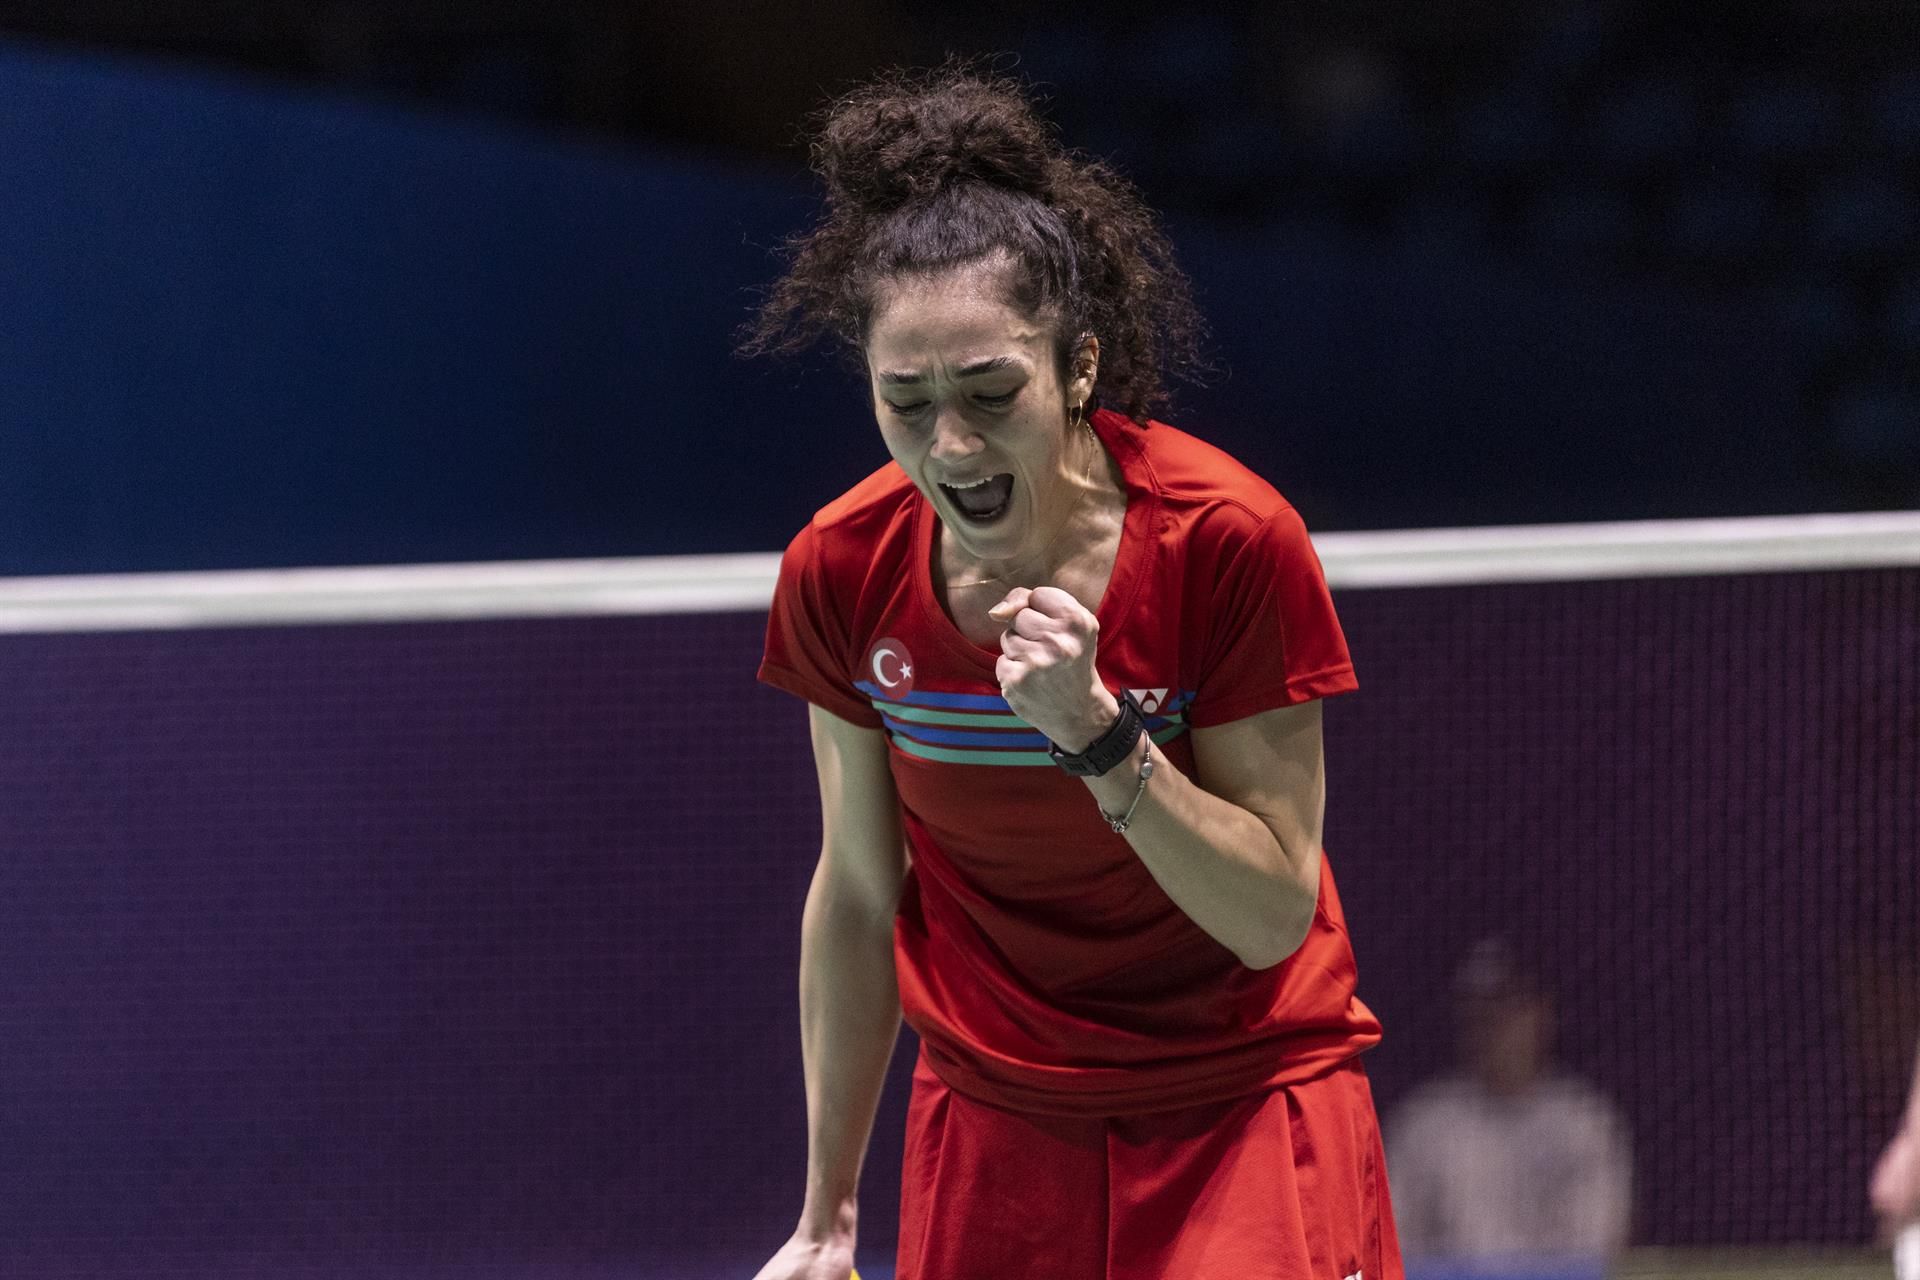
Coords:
pixel 954 441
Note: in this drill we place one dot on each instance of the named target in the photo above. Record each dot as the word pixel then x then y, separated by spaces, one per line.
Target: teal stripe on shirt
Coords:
pixel 958 755
pixel 977 719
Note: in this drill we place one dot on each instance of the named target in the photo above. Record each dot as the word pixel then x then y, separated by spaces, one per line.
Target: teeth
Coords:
pixel 975 485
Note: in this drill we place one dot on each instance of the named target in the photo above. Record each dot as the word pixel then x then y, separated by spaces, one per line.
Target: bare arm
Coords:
pixel 849 997
pixel 1238 846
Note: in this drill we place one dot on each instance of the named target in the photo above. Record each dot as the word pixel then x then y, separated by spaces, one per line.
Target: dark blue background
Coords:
pixel 243 324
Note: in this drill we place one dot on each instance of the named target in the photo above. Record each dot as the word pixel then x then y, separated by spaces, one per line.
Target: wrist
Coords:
pixel 1104 752
pixel 1123 787
pixel 1093 724
pixel 829 1220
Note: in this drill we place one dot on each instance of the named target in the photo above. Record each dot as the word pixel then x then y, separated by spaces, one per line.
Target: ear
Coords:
pixel 1085 369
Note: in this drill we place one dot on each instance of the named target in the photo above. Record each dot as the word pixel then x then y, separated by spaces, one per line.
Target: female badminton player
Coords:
pixel 1065 665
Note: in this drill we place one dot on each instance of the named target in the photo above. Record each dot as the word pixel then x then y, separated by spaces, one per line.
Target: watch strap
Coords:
pixel 1110 748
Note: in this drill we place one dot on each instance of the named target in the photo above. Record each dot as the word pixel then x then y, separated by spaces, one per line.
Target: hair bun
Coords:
pixel 904 139
pixel 928 171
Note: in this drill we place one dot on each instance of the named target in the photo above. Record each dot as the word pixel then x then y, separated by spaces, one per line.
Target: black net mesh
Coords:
pixel 470 948
pixel 1694 805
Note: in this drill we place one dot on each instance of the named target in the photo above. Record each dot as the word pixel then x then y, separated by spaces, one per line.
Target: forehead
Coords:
pixel 955 315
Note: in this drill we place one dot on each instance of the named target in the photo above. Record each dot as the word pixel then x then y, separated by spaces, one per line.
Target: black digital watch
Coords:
pixel 1110 748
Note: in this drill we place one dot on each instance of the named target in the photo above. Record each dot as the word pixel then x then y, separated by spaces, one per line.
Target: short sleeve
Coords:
pixel 808 651
pixel 1271 636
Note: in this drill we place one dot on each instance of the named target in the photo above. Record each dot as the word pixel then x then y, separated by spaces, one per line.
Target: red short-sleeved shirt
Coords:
pixel 1039 961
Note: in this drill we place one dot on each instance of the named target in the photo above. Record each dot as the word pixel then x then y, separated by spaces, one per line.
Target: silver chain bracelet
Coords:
pixel 1119 824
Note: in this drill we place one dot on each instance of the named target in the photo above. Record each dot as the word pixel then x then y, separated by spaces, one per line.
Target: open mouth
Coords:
pixel 983 501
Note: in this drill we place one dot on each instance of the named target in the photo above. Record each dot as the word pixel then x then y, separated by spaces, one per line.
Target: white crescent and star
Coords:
pixel 880 674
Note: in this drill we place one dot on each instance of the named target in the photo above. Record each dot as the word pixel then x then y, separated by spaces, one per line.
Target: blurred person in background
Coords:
pixel 1509 1157
pixel 1896 1178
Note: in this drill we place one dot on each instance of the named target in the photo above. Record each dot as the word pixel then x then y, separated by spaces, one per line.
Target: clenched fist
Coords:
pixel 1046 669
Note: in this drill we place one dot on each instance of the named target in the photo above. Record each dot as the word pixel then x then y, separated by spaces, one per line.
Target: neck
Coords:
pixel 1043 565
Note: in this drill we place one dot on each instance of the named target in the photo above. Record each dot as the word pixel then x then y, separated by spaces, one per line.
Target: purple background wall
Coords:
pixel 472 946
pixel 1695 803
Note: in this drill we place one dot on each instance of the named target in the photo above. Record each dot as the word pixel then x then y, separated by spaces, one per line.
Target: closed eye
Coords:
pixel 911 408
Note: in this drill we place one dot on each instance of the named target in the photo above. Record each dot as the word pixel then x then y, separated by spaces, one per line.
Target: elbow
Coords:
pixel 1266 957
pixel 1285 929
pixel 1276 944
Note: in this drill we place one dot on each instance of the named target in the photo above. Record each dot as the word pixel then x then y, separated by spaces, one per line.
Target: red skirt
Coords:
pixel 1288 1183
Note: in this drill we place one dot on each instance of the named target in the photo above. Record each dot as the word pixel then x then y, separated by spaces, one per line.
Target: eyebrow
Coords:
pixel 990 365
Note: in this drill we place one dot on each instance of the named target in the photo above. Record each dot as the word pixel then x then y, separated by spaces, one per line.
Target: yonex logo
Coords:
pixel 1150 700
pixel 975 727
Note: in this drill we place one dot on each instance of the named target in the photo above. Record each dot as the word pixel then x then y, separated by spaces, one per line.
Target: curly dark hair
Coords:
pixel 925 171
